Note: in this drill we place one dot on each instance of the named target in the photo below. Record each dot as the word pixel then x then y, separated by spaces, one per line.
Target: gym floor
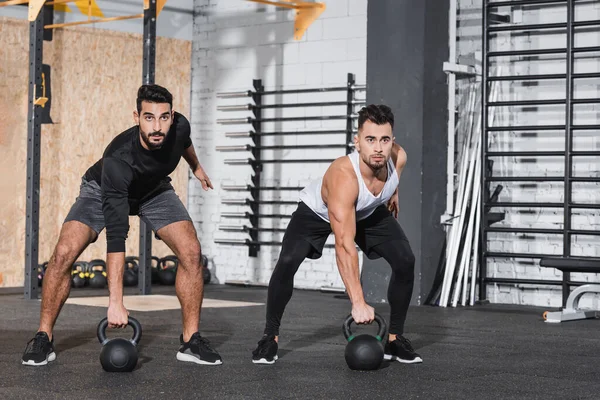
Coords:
pixel 482 352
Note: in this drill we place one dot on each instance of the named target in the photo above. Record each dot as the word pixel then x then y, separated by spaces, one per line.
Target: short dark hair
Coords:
pixel 377 113
pixel 153 94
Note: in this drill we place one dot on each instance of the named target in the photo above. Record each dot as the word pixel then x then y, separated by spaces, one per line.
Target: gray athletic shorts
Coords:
pixel 158 212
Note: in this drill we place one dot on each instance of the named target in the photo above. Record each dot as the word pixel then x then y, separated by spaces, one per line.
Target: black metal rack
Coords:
pixel 569 78
pixel 256 149
pixel 36 36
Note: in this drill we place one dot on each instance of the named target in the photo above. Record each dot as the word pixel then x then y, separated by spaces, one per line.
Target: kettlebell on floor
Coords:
pixel 119 355
pixel 364 352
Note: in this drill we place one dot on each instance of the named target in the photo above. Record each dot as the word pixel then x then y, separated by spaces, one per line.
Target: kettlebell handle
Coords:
pixel 134 323
pixel 378 318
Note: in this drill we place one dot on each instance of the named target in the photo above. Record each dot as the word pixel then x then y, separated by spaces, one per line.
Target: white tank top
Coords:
pixel 366 202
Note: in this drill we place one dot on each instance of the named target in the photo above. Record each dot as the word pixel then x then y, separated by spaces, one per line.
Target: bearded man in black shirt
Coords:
pixel 132 178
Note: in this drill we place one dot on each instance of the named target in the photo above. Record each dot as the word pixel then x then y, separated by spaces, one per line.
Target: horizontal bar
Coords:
pixel 583 75
pixel 585 153
pixel 248 215
pixel 245 147
pixel 585 127
pixel 526 102
pixel 315 90
pixel 523 230
pixel 237 228
pixel 248 93
pixel 542 179
pixel 248 188
pixel 517 255
pixel 321 104
pixel 588 179
pixel 583 232
pixel 526 128
pixel 244 228
pixel 310 118
pixel 245 107
pixel 585 206
pixel 249 202
pixel 526 27
pixel 588 49
pixel 249 242
pixel 249 147
pixel 589 22
pixel 530 52
pixel 94 21
pixel 246 120
pixel 525 178
pixel 526 77
pixel 533 27
pixel 252 133
pixel 524 153
pixel 237 107
pixel 524 205
pixel 585 101
pixel 249 120
pixel 541 205
pixel 249 161
pixel 517 281
pixel 521 2
pixel 230 95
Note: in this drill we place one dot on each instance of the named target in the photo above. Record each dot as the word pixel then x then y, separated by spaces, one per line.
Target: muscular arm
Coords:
pixel 116 177
pixel 341 193
pixel 190 157
pixel 399 158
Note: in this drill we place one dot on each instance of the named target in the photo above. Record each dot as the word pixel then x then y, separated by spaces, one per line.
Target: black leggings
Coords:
pixel 293 252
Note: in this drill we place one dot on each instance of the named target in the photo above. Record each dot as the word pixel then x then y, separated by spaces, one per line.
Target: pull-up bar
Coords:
pixel 36 5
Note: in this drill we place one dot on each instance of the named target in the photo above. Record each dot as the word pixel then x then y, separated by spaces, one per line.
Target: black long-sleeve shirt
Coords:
pixel 129 175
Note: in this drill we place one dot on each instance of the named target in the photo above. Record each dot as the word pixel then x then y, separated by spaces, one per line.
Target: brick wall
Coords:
pixel 234 43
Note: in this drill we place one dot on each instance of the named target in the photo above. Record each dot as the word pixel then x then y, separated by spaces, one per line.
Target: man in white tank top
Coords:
pixel 357 201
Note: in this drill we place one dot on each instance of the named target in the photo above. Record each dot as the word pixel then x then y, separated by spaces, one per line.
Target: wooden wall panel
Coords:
pixel 95 77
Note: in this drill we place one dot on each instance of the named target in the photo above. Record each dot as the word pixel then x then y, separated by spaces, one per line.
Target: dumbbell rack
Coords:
pixel 257 161
pixel 570 79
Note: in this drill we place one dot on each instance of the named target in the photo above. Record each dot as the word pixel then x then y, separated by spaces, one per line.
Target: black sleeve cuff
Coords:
pixel 115 246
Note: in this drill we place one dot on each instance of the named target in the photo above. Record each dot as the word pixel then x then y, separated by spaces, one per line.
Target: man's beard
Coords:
pixel 153 146
pixel 375 165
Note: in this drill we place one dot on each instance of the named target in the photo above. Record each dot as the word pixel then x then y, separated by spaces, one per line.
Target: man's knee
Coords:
pixel 403 259
pixel 65 254
pixel 190 256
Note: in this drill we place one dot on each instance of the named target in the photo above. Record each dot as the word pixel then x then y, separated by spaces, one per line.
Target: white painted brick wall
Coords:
pixel 469 43
pixel 235 42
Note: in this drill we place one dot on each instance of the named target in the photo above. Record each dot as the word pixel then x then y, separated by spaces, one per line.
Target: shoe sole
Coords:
pixel 194 359
pixel 51 357
pixel 265 361
pixel 389 357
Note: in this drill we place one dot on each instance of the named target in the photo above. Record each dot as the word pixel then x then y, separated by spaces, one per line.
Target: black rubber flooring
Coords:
pixel 482 352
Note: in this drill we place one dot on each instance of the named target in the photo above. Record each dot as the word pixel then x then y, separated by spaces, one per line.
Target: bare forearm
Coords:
pixel 190 157
pixel 347 261
pixel 115 264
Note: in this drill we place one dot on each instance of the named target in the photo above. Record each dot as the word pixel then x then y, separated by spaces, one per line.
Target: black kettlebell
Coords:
pixel 79 274
pixel 97 271
pixel 130 271
pixel 206 275
pixel 167 270
pixel 119 355
pixel 364 352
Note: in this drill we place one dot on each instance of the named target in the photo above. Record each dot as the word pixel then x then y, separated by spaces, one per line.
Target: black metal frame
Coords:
pixel 37 34
pixel 568 152
pixel 257 161
pixel 34 130
pixel 148 71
